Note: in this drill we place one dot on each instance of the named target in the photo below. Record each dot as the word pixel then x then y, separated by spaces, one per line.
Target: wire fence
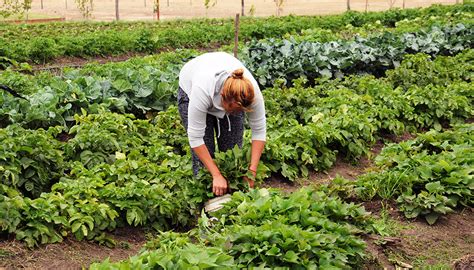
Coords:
pixel 169 9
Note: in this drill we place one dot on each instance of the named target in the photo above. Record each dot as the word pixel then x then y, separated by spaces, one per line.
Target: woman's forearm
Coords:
pixel 257 149
pixel 203 153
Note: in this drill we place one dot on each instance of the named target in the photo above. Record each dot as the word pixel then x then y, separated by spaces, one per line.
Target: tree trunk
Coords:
pixel 117 16
pixel 366 5
pixel 348 4
pixel 41 4
pixel 243 8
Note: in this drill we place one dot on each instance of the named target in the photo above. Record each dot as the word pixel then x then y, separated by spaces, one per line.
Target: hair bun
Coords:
pixel 238 73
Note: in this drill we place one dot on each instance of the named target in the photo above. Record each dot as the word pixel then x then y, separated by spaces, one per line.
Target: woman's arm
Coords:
pixel 257 149
pixel 197 111
pixel 219 183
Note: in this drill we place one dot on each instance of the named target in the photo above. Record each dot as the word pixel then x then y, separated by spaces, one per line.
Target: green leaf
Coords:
pixel 290 256
pixel 434 187
pixel 432 217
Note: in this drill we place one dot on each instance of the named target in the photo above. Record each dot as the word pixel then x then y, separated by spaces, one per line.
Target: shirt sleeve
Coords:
pixel 257 119
pixel 199 102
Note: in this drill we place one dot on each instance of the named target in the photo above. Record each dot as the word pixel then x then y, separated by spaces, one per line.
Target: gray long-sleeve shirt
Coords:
pixel 202 79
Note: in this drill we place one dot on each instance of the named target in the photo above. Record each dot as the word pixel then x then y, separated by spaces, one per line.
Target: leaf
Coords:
pixel 432 217
pixel 75 226
pixel 290 256
pixel 120 156
pixel 131 216
pixel 434 187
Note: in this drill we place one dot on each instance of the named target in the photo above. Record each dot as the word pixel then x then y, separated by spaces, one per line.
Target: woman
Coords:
pixel 215 89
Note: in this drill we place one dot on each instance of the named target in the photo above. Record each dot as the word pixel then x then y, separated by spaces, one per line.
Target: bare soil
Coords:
pixel 77 62
pixel 448 243
pixel 340 168
pixel 70 254
pixel 104 10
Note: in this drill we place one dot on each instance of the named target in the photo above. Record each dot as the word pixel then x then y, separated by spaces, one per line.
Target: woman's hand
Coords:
pixel 219 185
pixel 251 181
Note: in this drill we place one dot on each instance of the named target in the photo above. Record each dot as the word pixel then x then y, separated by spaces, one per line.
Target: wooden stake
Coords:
pixel 348 4
pixel 41 4
pixel 366 5
pixel 158 10
pixel 236 34
pixel 243 8
pixel 117 16
pixel 403 4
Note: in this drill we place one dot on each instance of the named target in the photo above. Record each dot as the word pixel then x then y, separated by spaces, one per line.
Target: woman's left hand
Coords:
pixel 251 181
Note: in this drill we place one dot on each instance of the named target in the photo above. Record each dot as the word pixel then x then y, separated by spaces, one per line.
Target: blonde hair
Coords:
pixel 238 90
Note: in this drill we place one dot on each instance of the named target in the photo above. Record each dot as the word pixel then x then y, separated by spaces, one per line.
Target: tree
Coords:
pixel 209 3
pixel 85 7
pixel 11 7
pixel 252 10
pixel 391 3
pixel 279 6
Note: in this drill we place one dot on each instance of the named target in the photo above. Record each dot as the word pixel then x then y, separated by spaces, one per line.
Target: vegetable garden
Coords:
pixel 88 150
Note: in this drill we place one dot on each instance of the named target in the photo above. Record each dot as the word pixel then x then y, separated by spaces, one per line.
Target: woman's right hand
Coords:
pixel 219 185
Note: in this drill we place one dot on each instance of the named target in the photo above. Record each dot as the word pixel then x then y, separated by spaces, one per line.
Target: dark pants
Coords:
pixel 228 138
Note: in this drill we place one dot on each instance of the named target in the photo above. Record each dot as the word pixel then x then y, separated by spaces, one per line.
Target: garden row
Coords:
pixel 109 169
pixel 310 126
pixel 145 85
pixel 291 59
pixel 46 42
pixel 403 26
pixel 314 228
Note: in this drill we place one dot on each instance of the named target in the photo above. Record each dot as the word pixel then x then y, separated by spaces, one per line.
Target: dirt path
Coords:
pixel 143 9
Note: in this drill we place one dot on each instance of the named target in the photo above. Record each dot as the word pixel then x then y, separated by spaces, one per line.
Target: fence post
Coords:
pixel 236 34
pixel 243 8
pixel 117 16
pixel 157 9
